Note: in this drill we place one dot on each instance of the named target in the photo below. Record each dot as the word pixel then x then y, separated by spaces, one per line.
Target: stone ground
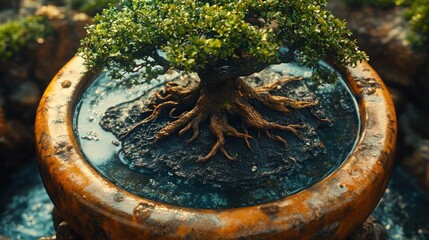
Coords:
pixel 405 70
pixel 24 78
pixel 380 32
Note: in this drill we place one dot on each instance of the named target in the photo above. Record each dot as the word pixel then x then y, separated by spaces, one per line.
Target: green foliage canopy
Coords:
pixel 196 35
pixel 418 15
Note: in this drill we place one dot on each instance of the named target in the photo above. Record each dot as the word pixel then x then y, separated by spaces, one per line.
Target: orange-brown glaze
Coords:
pixel 330 209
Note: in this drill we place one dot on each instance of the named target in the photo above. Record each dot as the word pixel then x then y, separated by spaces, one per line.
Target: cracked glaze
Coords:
pixel 97 209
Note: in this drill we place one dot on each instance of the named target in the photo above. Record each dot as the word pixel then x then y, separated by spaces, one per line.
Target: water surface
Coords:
pixel 167 171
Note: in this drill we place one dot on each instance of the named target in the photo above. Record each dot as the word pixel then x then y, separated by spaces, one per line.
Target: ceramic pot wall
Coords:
pixel 331 208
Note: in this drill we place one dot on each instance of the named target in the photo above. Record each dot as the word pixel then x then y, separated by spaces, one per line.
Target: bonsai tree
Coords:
pixel 221 41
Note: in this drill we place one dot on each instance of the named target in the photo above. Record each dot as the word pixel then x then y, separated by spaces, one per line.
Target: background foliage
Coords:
pixel 16 34
pixel 417 13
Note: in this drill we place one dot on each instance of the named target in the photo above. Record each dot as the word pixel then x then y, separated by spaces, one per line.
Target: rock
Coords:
pixel 420 87
pixel 56 217
pixel 417 166
pixel 63 229
pixel 41 60
pixel 8 4
pixel 58 49
pixel 382 34
pixel 24 77
pixel 16 143
pixel 65 232
pixel 399 99
pixel 14 71
pixel 56 2
pixel 415 124
pixel 7 15
pixel 28 7
pixel 371 229
pixel 23 101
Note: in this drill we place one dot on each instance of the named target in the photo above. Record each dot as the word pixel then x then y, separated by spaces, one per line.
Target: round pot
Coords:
pixel 97 209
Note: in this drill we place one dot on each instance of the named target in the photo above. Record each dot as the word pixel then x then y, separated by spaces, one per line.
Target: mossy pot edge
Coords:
pixel 331 208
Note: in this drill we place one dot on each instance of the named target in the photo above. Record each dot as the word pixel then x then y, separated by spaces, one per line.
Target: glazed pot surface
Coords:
pixel 331 208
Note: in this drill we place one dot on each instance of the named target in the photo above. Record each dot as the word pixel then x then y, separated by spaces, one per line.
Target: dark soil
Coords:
pixel 267 162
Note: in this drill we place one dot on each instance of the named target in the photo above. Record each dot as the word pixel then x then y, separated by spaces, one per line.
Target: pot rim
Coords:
pixel 98 209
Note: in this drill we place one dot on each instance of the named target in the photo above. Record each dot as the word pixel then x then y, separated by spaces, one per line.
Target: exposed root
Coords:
pixel 276 84
pixel 155 112
pixel 174 126
pixel 276 138
pixel 195 125
pixel 220 127
pixel 172 97
pixel 252 118
pixel 322 119
pixel 243 126
pixel 214 105
pixel 276 103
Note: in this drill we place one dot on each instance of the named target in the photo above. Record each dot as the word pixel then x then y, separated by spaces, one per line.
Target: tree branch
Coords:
pixel 161 61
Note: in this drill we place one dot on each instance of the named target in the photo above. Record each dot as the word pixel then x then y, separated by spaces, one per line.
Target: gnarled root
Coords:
pixel 220 127
pixel 276 103
pixel 214 104
pixel 172 97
